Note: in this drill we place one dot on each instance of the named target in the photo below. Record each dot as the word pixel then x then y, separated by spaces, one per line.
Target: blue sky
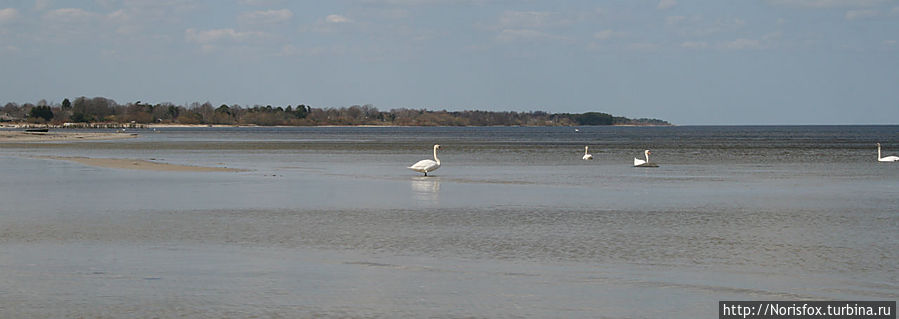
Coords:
pixel 689 62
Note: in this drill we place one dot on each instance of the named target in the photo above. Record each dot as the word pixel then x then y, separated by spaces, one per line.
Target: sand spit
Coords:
pixel 18 136
pixel 124 163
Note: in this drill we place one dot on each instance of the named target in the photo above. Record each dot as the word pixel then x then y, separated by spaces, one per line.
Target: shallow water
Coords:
pixel 329 222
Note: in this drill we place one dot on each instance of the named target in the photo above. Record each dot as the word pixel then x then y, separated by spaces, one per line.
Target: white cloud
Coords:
pixel 826 3
pixel 71 15
pixel 524 35
pixel 696 26
pixel 41 5
pixel 531 19
pixel 8 15
pixel 391 13
pixel 666 4
pixel 740 44
pixel 642 46
pixel 266 17
pixel 694 45
pixel 331 23
pixel 336 18
pixel 119 16
pixel 675 20
pixel 142 20
pixel 160 10
pixel 520 34
pixel 772 36
pixel 607 34
pixel 71 25
pixel 260 2
pixel 603 35
pixel 425 2
pixel 125 22
pixel 889 43
pixel 292 50
pixel 220 35
pixel 860 14
pixel 9 49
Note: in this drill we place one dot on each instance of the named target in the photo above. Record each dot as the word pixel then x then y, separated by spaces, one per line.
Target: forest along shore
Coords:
pixel 85 110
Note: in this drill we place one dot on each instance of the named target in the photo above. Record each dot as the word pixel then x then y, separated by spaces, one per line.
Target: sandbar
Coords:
pixel 125 163
pixel 18 136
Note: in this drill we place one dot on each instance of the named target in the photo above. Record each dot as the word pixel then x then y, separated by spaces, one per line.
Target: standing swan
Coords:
pixel 646 163
pixel 425 166
pixel 587 156
pixel 885 159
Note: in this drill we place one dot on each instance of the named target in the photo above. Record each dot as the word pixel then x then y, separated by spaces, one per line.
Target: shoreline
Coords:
pixel 18 136
pixel 154 125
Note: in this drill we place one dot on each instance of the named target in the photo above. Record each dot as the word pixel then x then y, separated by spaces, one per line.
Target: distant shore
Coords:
pixel 173 125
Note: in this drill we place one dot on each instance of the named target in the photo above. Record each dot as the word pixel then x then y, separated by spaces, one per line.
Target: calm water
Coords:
pixel 328 222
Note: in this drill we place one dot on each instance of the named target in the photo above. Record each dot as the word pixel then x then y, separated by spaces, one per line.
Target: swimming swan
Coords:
pixel 425 166
pixel 646 163
pixel 587 156
pixel 885 159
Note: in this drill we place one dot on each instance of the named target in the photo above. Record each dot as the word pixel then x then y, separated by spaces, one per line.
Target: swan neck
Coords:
pixel 585 149
pixel 878 151
pixel 435 156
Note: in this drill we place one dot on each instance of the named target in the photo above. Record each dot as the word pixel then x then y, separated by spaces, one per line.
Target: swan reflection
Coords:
pixel 425 188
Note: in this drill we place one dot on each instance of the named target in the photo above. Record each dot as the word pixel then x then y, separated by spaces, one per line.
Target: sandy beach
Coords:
pixel 124 163
pixel 18 136
pixel 120 163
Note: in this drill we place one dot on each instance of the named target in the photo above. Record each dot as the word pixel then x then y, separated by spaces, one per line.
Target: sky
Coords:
pixel 689 62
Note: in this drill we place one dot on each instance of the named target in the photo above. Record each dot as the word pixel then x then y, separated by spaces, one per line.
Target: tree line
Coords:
pixel 103 110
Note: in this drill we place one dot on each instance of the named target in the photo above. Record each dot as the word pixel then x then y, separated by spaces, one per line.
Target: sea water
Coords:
pixel 329 222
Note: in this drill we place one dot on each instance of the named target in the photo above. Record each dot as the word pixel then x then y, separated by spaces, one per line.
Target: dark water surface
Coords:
pixel 328 222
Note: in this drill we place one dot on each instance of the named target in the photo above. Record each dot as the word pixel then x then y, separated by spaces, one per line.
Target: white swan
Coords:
pixel 646 163
pixel 885 159
pixel 587 156
pixel 425 166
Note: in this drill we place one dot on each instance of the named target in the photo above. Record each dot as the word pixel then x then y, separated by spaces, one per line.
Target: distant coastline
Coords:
pixel 15 125
pixel 100 112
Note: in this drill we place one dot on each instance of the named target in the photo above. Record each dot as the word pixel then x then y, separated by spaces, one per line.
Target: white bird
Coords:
pixel 646 163
pixel 425 166
pixel 587 156
pixel 577 130
pixel 885 159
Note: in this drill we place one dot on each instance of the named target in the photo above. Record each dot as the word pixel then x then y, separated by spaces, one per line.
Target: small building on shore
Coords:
pixel 6 117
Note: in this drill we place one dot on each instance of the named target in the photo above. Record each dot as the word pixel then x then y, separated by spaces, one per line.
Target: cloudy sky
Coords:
pixel 689 62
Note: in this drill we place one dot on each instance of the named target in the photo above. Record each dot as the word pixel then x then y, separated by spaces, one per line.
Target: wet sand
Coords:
pixel 124 163
pixel 17 136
